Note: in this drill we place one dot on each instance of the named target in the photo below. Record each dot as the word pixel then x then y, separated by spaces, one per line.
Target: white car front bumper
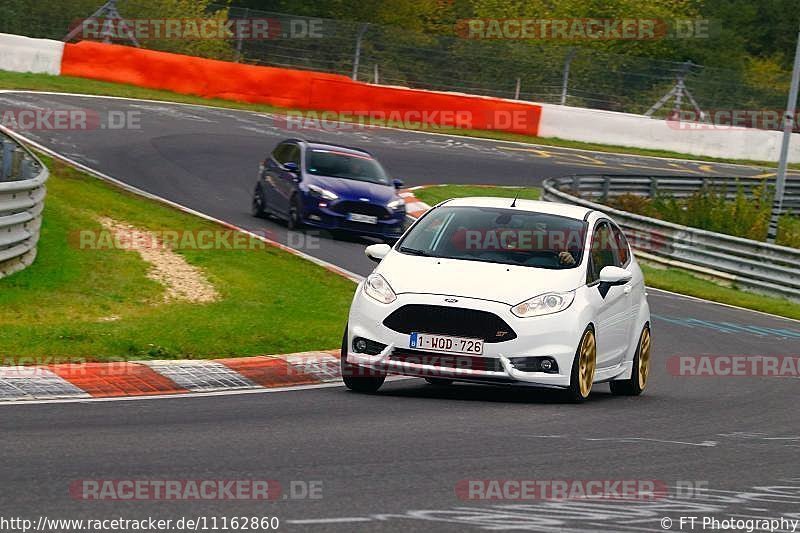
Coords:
pixel 555 336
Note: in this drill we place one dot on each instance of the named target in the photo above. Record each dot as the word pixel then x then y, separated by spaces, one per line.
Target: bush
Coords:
pixel 744 216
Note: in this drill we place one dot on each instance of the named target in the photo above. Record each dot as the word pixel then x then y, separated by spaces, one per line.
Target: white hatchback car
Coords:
pixel 502 291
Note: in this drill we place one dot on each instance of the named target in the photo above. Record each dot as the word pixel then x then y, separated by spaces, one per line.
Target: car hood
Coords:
pixel 355 190
pixel 473 279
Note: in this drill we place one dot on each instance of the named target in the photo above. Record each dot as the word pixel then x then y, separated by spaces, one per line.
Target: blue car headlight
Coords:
pixel 319 192
pixel 397 205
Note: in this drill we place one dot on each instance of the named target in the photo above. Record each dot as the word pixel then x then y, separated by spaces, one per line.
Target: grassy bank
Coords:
pixel 435 194
pixel 44 82
pixel 93 302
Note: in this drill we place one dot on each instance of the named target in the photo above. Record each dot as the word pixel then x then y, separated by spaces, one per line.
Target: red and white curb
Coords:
pixel 155 378
pixel 415 207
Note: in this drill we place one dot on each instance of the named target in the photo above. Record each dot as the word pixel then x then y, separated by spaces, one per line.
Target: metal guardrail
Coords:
pixel 22 193
pixel 604 186
pixel 754 265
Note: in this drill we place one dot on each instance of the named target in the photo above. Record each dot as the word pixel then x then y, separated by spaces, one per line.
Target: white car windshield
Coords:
pixel 497 235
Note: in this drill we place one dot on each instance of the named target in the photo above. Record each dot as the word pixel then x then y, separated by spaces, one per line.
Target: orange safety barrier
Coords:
pixel 296 89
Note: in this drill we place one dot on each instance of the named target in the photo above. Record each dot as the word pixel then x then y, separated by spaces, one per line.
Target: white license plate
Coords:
pixel 443 343
pixel 358 217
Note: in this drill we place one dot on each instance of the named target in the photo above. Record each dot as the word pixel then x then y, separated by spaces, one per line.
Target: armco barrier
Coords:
pixel 605 186
pixel 754 265
pixel 22 193
pixel 297 89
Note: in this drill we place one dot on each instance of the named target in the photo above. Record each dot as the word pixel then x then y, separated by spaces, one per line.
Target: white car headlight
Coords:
pixel 377 288
pixel 396 204
pixel 322 193
pixel 544 304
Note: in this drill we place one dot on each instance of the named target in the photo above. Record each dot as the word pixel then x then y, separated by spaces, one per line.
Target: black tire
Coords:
pixel 636 384
pixel 295 219
pixel 440 382
pixel 257 205
pixel 577 393
pixel 357 378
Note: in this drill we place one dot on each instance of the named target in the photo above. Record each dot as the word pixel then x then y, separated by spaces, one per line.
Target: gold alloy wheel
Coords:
pixel 644 358
pixel 587 363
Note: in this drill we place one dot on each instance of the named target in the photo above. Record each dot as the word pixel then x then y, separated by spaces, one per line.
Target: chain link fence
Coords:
pixel 547 72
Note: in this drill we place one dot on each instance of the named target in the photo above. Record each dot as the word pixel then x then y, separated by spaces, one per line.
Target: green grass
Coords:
pixel 271 301
pixel 44 82
pixel 683 282
pixel 435 194
pixel 670 279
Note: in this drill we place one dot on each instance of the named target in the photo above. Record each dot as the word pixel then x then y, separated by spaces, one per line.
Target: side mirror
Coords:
pixel 611 276
pixel 291 167
pixel 377 252
pixel 397 183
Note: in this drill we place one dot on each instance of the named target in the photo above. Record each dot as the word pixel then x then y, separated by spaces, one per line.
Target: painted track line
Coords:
pixel 377 126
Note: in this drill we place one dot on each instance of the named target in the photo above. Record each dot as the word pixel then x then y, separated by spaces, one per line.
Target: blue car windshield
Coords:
pixel 335 164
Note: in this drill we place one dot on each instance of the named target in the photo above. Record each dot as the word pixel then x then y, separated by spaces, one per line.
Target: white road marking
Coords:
pixel 234 392
pixel 704 444
pixel 342 520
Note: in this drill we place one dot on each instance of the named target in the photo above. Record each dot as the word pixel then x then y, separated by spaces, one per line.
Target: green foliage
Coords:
pixel 746 215
pixel 181 9
pixel 438 193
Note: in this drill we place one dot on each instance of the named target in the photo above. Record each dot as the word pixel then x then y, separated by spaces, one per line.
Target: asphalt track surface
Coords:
pixel 391 461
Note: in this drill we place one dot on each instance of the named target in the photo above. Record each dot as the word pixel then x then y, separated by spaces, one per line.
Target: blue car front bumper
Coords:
pixel 335 215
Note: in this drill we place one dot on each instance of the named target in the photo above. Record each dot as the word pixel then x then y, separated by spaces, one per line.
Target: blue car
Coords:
pixel 329 187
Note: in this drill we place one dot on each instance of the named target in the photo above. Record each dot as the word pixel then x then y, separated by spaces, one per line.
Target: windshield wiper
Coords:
pixel 414 251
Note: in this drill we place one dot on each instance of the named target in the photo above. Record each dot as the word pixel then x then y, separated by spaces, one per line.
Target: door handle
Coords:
pixel 627 290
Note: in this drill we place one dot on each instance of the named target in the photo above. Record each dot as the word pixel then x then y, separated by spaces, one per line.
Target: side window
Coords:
pixel 623 251
pixel 281 152
pixel 603 252
pixel 293 154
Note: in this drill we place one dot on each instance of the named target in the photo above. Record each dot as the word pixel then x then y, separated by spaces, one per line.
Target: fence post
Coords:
pixel 565 78
pixel 7 154
pixel 606 188
pixel 28 169
pixel 16 162
pixel 653 187
pixel 357 56
pixel 516 91
pixel 239 37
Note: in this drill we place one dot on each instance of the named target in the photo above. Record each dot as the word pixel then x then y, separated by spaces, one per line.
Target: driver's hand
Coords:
pixel 566 259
